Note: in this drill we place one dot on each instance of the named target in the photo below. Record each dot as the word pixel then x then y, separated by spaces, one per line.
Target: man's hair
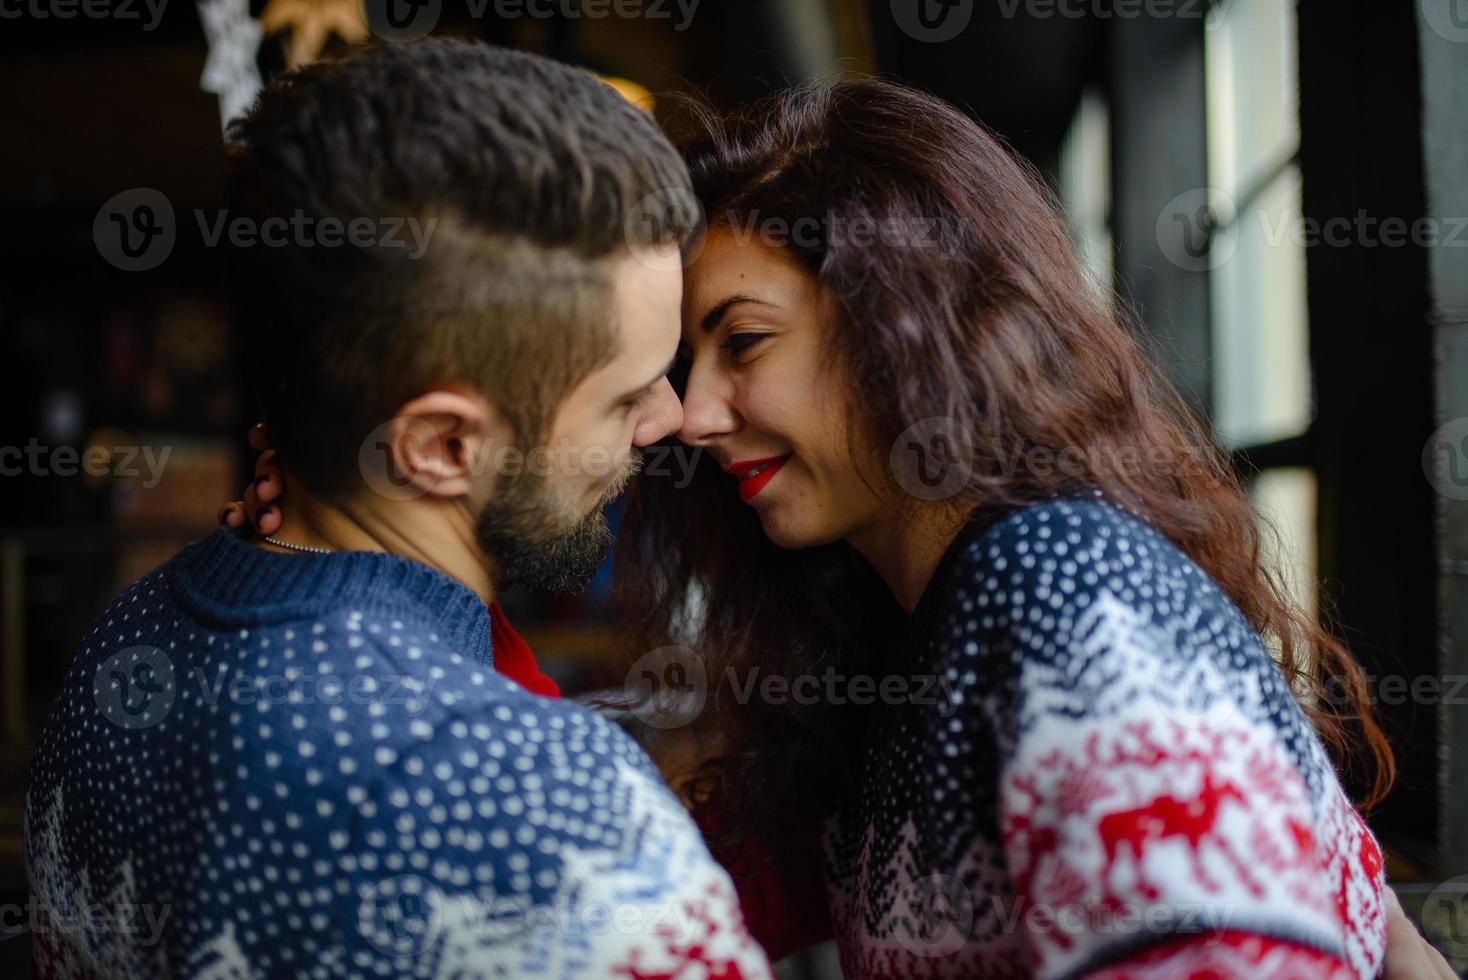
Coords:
pixel 527 177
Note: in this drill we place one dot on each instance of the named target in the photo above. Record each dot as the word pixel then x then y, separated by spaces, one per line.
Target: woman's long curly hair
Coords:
pixel 958 295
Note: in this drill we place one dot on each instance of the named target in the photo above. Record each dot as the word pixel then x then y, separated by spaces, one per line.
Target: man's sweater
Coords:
pixel 300 765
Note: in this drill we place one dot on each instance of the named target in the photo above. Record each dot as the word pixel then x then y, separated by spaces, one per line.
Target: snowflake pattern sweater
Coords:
pixel 305 766
pixel 1120 783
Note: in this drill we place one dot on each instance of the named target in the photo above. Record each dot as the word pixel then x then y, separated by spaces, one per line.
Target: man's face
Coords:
pixel 544 526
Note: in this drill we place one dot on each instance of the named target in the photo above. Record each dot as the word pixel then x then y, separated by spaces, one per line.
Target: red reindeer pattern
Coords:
pixel 1155 788
pixel 1363 917
pixel 1192 819
pixel 1104 821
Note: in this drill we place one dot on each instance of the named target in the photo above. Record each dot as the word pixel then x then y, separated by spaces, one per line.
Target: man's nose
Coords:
pixel 662 416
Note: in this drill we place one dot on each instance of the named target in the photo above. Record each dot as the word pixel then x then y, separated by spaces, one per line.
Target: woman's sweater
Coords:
pixel 1109 776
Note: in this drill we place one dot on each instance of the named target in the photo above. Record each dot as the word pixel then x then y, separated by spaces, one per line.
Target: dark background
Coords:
pixel 1121 113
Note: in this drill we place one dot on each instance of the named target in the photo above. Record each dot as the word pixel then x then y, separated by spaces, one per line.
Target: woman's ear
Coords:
pixel 440 444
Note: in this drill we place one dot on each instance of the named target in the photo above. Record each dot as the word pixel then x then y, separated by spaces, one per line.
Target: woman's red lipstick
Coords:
pixel 750 486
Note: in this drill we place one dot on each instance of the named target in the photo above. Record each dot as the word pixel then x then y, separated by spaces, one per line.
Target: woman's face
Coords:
pixel 763 395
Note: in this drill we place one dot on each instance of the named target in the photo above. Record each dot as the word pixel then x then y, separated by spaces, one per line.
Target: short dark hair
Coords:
pixel 527 174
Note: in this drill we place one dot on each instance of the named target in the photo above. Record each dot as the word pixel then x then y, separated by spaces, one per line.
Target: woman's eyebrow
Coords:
pixel 713 317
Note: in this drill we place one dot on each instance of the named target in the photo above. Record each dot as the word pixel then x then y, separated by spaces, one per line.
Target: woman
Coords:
pixel 940 478
pixel 946 459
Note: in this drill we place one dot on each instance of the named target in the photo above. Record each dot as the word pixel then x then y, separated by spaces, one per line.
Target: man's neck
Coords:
pixel 434 532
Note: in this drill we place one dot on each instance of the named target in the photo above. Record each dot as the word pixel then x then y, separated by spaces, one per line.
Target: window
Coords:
pixel 1085 186
pixel 1260 333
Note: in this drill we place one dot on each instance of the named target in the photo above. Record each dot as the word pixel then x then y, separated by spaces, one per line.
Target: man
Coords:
pixel 296 758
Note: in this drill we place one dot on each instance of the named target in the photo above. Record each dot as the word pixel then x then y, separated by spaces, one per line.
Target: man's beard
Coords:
pixel 535 543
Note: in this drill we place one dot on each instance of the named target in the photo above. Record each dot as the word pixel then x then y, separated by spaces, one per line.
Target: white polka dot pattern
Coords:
pixel 345 795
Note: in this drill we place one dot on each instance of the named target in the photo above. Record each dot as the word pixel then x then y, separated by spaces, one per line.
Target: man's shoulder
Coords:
pixel 323 699
pixel 379 697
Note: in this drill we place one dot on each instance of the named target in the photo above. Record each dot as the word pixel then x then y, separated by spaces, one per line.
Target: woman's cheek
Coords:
pixel 781 390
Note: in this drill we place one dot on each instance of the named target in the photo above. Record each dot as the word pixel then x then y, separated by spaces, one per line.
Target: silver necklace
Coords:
pixel 298 547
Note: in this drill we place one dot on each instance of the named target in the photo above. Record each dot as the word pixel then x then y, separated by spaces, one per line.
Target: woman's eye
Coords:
pixel 738 343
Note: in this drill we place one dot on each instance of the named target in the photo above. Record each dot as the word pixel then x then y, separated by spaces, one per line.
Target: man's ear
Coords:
pixel 441 443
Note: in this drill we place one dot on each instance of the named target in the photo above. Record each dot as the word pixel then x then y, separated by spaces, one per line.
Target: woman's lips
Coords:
pixel 755 474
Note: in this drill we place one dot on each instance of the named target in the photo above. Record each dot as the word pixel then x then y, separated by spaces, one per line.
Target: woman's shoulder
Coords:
pixel 1078 609
pixel 1073 522
pixel 1071 588
pixel 1119 702
pixel 1066 553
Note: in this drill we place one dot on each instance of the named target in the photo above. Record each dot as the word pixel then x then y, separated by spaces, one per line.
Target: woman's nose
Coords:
pixel 707 412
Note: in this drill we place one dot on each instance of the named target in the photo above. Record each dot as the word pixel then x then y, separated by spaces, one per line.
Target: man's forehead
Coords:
pixel 650 273
pixel 645 317
pixel 648 296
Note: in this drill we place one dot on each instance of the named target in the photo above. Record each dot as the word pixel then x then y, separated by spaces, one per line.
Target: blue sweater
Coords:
pixel 1108 777
pixel 298 765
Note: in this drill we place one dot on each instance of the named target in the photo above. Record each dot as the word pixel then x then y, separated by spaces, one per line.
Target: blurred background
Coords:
pixel 1279 190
